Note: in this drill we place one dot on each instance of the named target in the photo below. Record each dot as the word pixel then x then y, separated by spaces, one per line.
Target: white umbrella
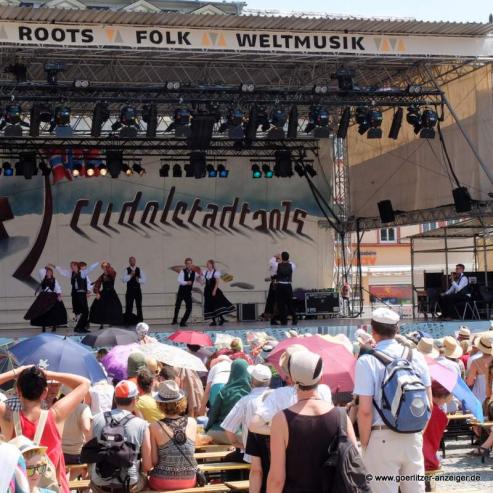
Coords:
pixel 173 356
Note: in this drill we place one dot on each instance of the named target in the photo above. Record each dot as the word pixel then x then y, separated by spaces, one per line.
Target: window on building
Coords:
pixel 388 235
pixel 429 226
pixel 26 4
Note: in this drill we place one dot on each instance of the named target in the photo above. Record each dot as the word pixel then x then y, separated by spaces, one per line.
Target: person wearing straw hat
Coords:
pixel 384 451
pixel 173 441
pixel 451 353
pixel 477 376
pixel 427 347
pixel 464 333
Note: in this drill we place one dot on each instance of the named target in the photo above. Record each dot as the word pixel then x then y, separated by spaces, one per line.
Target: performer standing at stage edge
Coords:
pixel 133 277
pixel 186 278
pixel 81 287
pixel 284 289
pixel 270 310
pixel 216 305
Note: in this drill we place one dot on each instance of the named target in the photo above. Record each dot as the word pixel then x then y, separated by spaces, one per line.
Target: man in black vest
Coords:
pixel 133 277
pixel 284 290
pixel 186 278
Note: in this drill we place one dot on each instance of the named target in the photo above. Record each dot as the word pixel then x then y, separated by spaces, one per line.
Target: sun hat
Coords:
pixel 288 352
pixel 142 329
pixel 25 445
pixel 385 316
pixel 427 347
pixel 168 391
pixel 465 344
pixel 261 373
pixel 451 348
pixel 484 344
pixel 305 368
pixel 126 390
pixel 464 332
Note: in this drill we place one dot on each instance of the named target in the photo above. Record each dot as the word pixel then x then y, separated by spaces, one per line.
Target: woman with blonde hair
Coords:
pixel 106 308
pixel 216 305
pixel 173 441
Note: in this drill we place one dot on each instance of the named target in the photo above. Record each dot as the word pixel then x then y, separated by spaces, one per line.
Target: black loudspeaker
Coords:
pixel 247 312
pixel 462 199
pixel 114 162
pixel 198 164
pixel 201 131
pixel 386 211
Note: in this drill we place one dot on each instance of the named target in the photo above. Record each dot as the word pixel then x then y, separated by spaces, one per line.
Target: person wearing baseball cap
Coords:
pixel 383 450
pixel 136 432
pixel 240 416
pixel 300 434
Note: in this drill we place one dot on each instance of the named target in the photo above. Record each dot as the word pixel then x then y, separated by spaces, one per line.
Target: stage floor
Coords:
pixel 330 326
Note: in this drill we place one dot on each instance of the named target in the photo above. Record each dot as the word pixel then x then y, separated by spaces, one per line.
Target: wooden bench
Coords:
pixel 213 447
pixel 74 470
pixel 217 456
pixel 79 484
pixel 224 466
pixel 209 488
pixel 238 485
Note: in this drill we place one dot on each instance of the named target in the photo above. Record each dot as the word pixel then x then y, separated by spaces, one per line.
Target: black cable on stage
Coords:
pixel 444 147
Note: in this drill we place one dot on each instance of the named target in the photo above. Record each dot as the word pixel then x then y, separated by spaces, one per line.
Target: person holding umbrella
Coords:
pixel 32 388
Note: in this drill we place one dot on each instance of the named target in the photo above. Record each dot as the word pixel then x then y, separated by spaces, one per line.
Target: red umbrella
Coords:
pixel 338 361
pixel 191 337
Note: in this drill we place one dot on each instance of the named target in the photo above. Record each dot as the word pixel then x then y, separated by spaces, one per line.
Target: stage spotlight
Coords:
pixel 310 170
pixel 279 117
pixel 320 89
pixel 81 83
pixel 234 124
pixel 12 115
pixel 139 169
pixel 177 171
pixel 45 168
pixel 198 164
pixel 268 173
pixel 149 115
pixel 344 123
pixel 223 172
pixel 318 120
pixel 172 85
pixel 247 87
pixel 127 169
pixel 76 170
pixel 344 79
pixel 62 115
pixel 90 169
pixel 164 171
pixel 429 120
pixel 40 113
pixel 114 162
pixel 211 171
pixel 375 119
pixel 361 118
pixel 413 117
pixel 52 70
pixel 256 173
pixel 293 122
pixel 299 169
pixel 7 169
pixel 128 119
pixel 283 167
pixel 103 170
pixel 181 123
pixel 395 127
pixel 414 89
pixel 100 116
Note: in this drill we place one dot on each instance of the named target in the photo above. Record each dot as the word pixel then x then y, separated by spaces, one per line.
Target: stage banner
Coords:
pixel 239 221
pixel 193 39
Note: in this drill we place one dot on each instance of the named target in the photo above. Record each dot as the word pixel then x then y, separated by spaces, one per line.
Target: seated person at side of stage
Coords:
pixel 456 294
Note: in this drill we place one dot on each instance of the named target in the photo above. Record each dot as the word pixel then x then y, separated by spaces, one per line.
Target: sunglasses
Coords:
pixel 32 470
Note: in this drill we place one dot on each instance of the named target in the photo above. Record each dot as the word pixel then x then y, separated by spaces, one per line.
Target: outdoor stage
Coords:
pixel 333 326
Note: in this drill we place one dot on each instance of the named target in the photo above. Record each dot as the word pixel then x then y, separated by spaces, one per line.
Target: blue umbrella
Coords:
pixel 60 354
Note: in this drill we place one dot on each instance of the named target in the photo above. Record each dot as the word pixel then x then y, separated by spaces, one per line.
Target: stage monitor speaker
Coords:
pixel 462 199
pixel 386 211
pixel 247 312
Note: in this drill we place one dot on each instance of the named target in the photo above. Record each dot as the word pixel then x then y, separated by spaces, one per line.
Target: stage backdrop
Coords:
pixel 238 221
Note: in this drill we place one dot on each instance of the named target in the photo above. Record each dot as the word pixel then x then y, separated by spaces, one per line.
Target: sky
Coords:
pixel 427 10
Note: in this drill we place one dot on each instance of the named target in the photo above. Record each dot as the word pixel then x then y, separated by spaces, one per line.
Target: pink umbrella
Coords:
pixel 338 361
pixel 116 360
pixel 192 337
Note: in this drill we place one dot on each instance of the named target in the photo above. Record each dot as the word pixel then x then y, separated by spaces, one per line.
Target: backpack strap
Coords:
pixel 40 428
pixel 385 359
pixel 17 423
pixel 342 419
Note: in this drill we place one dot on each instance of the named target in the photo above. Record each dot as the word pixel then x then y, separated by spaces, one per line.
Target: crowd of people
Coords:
pixel 279 418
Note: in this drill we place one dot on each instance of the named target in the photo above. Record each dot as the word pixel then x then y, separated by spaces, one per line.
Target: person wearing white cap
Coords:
pixel 142 330
pixel 301 434
pixel 385 451
pixel 240 416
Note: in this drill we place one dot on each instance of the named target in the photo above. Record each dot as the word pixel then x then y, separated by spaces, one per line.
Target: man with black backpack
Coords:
pixel 394 388
pixel 119 439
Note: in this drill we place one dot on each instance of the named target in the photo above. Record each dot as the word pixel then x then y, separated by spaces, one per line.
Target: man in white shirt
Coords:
pixel 384 451
pixel 186 278
pixel 455 294
pixel 133 277
pixel 243 411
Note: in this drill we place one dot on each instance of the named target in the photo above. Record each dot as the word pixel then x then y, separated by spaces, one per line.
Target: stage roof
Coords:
pixel 464 229
pixel 291 23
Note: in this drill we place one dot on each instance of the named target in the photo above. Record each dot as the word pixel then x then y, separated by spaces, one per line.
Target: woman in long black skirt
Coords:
pixel 216 305
pixel 48 309
pixel 106 308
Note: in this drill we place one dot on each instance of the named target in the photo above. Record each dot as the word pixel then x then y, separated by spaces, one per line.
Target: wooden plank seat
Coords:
pixel 224 466
pixel 238 485
pixel 209 488
pixel 79 484
pixel 213 447
pixel 217 456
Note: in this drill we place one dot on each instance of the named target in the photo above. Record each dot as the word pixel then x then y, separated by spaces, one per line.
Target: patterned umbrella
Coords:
pixel 173 356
